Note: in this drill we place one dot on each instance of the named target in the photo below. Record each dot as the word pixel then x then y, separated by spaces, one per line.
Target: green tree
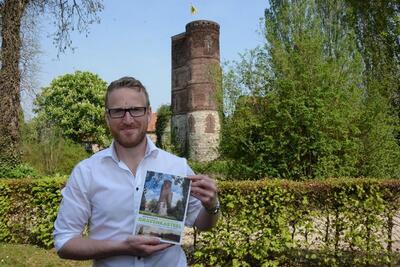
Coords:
pixel 380 152
pixel 163 122
pixel 299 122
pixel 319 99
pixel 74 103
pixel 69 15
pixel 377 25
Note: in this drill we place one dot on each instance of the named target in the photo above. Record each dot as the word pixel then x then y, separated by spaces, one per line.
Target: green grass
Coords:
pixel 12 255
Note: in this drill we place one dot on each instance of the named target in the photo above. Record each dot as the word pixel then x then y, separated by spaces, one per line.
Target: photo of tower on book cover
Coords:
pixel 163 207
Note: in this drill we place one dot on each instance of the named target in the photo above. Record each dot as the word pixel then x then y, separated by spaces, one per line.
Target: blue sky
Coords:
pixel 134 38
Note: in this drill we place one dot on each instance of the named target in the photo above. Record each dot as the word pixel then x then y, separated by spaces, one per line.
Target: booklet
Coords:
pixel 163 207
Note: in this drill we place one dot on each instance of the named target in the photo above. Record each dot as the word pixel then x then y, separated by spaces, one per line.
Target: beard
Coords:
pixel 129 140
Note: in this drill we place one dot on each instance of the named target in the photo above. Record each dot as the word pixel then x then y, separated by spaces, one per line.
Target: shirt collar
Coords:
pixel 151 150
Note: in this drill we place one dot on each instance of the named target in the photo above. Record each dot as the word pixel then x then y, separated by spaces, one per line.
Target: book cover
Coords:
pixel 163 207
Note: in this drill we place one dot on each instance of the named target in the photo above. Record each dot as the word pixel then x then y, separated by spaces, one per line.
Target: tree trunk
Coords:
pixel 10 107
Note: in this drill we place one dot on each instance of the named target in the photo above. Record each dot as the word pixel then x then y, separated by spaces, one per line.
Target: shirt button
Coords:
pixel 139 258
pixel 137 188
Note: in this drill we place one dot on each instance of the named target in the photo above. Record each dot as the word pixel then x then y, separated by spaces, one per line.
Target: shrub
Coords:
pixel 29 209
pixel 20 171
pixel 217 168
pixel 44 148
pixel 336 222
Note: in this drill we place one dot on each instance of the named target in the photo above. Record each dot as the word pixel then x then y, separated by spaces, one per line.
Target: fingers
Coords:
pixel 143 240
pixel 140 245
pixel 202 181
pixel 202 193
pixel 205 189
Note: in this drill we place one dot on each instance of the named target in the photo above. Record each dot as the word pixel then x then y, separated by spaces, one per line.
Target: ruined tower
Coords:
pixel 195 123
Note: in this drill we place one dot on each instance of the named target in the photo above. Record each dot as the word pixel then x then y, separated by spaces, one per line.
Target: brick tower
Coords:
pixel 195 123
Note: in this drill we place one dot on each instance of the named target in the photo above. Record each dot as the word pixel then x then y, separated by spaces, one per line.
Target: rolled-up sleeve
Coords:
pixel 74 211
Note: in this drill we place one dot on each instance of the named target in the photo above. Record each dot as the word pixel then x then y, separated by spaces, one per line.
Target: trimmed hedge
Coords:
pixel 28 210
pixel 336 222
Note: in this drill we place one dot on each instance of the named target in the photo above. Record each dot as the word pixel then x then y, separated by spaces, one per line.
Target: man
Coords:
pixel 104 191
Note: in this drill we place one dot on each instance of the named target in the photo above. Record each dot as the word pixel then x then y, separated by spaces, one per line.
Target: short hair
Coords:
pixel 127 82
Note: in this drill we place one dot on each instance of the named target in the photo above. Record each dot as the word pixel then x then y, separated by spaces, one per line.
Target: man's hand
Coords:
pixel 139 245
pixel 204 189
pixel 79 248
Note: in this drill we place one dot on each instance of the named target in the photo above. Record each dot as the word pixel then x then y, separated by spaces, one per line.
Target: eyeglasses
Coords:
pixel 120 112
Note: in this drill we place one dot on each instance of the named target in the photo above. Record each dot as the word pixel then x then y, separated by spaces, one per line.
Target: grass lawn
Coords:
pixel 31 256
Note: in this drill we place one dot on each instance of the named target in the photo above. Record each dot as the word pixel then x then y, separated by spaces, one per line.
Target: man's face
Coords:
pixel 128 131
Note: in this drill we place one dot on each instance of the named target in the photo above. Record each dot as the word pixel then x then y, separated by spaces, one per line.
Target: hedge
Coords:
pixel 28 209
pixel 335 222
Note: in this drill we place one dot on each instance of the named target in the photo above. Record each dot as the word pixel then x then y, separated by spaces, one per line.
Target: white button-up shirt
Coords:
pixel 103 193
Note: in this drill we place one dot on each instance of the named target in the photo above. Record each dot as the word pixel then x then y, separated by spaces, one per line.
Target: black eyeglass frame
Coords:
pixel 130 110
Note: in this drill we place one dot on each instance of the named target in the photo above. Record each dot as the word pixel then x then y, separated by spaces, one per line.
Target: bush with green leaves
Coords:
pixel 23 170
pixel 216 168
pixel 74 103
pixel 336 222
pixel 29 208
pixel 44 148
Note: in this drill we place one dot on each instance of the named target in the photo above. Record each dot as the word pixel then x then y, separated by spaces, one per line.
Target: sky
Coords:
pixel 133 38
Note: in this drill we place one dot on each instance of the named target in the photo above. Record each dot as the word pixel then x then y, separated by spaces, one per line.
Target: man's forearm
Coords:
pixel 206 221
pixel 79 248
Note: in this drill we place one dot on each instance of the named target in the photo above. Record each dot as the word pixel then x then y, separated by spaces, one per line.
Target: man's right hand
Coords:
pixel 79 248
pixel 143 246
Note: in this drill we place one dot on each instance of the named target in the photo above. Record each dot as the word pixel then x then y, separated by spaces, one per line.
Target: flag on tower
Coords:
pixel 193 9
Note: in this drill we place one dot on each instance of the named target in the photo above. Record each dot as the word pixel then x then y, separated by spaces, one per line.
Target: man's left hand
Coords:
pixel 205 189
